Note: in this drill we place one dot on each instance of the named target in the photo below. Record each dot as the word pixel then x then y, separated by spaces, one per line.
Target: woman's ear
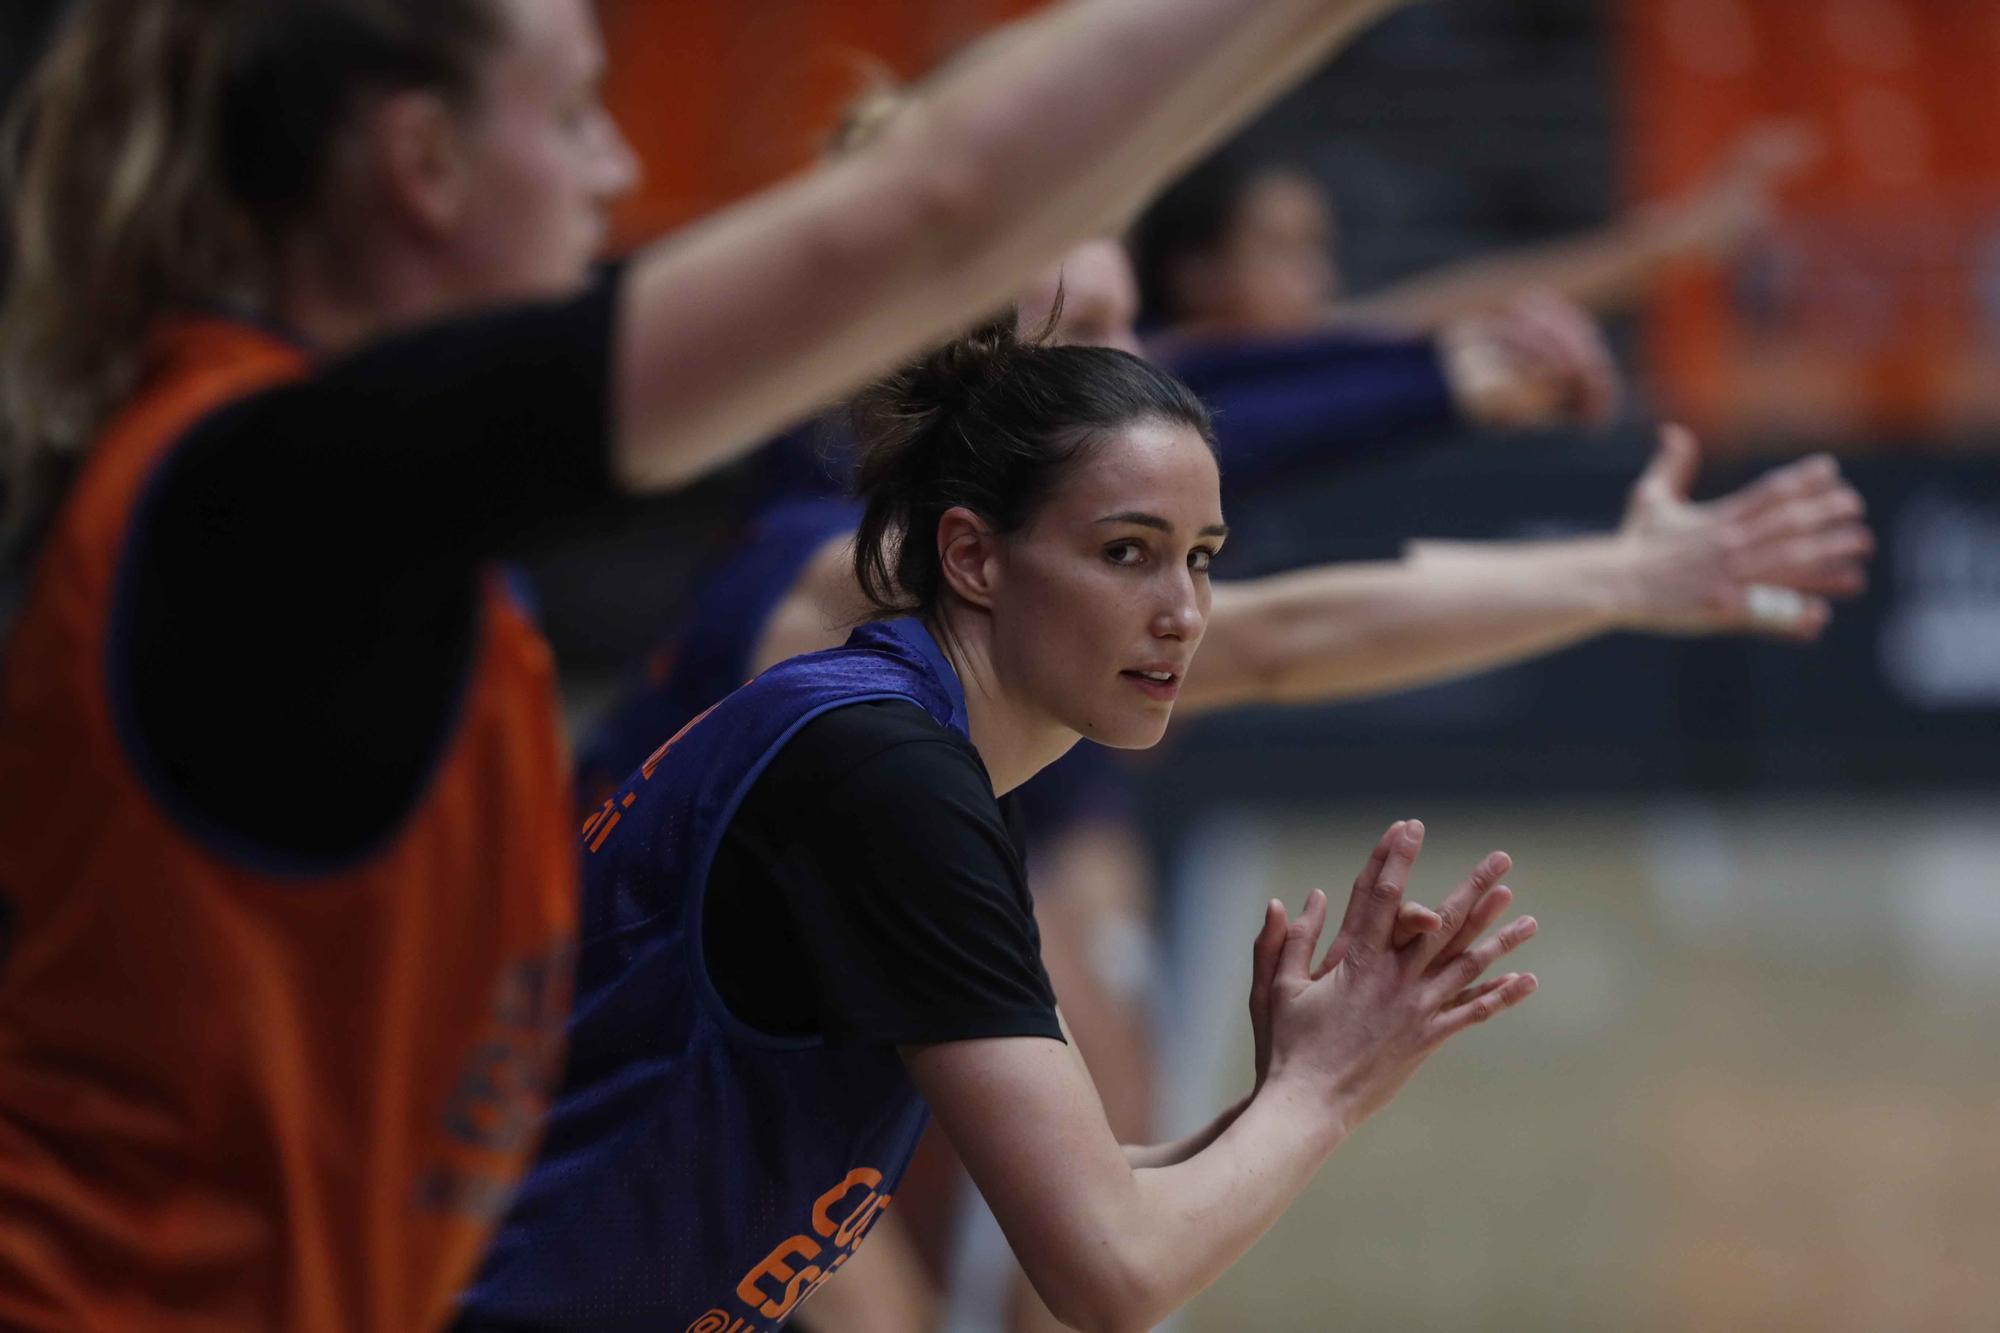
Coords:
pixel 415 145
pixel 969 556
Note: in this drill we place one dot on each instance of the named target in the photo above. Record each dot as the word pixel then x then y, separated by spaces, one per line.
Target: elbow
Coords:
pixel 1118 1294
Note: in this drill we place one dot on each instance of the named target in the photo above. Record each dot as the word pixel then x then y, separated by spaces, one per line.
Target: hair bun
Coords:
pixel 900 412
pixel 962 368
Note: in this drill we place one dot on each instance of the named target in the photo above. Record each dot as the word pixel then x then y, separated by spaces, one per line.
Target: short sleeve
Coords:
pixel 899 891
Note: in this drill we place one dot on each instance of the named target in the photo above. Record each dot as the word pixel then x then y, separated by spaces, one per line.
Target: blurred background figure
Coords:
pixel 1245 244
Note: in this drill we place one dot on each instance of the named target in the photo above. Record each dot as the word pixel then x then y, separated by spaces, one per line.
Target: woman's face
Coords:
pixel 1274 271
pixel 1103 596
pixel 543 161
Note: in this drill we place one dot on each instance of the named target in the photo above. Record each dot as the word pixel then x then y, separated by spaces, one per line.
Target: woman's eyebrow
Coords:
pixel 1155 521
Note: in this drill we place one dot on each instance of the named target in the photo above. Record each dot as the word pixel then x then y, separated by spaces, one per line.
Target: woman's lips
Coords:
pixel 1166 691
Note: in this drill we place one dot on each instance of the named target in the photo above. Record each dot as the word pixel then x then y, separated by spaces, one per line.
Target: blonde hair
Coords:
pixel 151 157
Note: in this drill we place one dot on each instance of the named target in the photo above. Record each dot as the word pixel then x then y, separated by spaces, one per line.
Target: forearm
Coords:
pixel 1346 630
pixel 1601 271
pixel 1055 130
pixel 1172 1154
pixel 1189 1221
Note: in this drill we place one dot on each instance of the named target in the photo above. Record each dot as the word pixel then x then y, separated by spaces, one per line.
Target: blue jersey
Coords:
pixel 710 655
pixel 696 1173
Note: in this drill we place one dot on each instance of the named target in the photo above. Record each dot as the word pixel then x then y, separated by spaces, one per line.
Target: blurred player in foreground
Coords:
pixel 807 925
pixel 289 890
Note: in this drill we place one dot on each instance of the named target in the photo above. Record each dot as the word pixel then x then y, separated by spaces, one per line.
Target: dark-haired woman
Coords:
pixel 1675 567
pixel 297 340
pixel 806 926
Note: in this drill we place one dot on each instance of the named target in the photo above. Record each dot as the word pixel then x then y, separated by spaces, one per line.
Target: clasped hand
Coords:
pixel 1398 980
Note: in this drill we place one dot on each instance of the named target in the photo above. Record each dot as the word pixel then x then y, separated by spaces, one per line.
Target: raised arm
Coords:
pixel 1112 1246
pixel 1605 269
pixel 1762 560
pixel 1053 130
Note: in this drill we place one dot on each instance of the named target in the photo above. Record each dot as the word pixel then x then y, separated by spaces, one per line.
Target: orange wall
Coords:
pixel 1866 316
pixel 720 97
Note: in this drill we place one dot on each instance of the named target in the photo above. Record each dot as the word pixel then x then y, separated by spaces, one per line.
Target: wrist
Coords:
pixel 1314 1105
pixel 1613 576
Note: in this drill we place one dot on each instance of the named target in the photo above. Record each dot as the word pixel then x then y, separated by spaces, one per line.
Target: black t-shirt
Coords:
pixel 303 603
pixel 870 890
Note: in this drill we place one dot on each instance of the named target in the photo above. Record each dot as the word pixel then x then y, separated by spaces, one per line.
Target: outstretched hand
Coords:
pixel 1357 1024
pixel 1764 559
pixel 1740 198
pixel 1538 361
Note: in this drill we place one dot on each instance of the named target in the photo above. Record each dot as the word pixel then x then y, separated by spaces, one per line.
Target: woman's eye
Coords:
pixel 1200 559
pixel 1124 553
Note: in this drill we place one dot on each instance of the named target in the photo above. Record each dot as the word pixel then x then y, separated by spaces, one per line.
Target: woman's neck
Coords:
pixel 339 301
pixel 1015 740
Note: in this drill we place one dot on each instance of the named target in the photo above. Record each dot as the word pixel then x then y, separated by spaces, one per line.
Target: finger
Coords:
pixel 1518 987
pixel 1831 575
pixel 1468 967
pixel 1835 549
pixel 1301 937
pixel 1483 989
pixel 1837 509
pixel 1458 909
pixel 1803 479
pixel 1270 942
pixel 1414 921
pixel 1578 348
pixel 1535 342
pixel 1264 954
pixel 1363 884
pixel 1374 912
pixel 1543 362
pixel 1484 913
pixel 1825 562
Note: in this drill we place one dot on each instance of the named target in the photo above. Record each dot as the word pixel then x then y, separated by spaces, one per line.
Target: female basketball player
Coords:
pixel 1314 635
pixel 806 925
pixel 289 896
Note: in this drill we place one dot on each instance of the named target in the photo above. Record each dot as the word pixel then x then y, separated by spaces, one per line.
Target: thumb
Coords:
pixel 1671 474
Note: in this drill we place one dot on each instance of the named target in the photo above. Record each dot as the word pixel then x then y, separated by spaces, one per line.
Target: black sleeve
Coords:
pixel 869 891
pixel 441 446
pixel 304 576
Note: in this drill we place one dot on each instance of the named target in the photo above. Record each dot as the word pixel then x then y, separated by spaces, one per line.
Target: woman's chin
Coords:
pixel 1132 733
